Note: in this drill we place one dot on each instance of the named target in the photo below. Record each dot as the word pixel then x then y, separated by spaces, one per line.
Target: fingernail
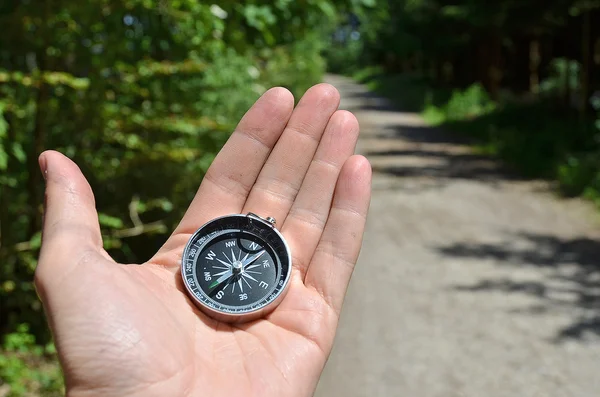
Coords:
pixel 43 165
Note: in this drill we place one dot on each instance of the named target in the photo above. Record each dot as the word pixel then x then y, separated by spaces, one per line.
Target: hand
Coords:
pixel 124 330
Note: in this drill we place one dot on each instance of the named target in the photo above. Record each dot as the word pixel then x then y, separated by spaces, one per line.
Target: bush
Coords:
pixel 296 66
pixel 344 57
pixel 578 173
pixel 27 368
pixel 463 105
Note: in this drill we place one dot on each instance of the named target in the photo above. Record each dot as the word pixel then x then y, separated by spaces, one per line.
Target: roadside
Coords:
pixel 537 137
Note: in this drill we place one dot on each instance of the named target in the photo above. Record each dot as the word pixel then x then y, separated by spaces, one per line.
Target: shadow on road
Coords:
pixel 406 151
pixel 442 165
pixel 572 282
pixel 403 146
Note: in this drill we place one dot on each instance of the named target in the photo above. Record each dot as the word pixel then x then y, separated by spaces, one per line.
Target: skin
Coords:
pixel 132 330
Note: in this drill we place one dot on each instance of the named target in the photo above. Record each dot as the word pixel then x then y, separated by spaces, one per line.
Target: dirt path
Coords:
pixel 470 282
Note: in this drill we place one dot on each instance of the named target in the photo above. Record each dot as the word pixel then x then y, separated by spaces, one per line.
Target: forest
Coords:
pixel 143 93
pixel 521 79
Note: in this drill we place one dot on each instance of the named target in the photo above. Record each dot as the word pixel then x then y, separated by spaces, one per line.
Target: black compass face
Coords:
pixel 236 265
pixel 236 269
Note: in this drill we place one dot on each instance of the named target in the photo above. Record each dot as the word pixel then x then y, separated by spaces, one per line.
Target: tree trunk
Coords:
pixel 6 218
pixel 585 65
pixel 534 64
pixel 34 181
pixel 495 65
pixel 567 84
pixel 448 72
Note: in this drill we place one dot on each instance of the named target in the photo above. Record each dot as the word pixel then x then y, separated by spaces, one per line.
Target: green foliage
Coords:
pixel 579 174
pixel 344 57
pixel 409 91
pixel 27 368
pixel 470 103
pixel 525 136
pixel 561 70
pixel 142 94
pixel 535 139
pixel 296 66
pixel 463 105
pixel 514 76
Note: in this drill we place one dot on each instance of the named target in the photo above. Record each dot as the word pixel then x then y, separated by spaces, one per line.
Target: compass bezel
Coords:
pixel 249 225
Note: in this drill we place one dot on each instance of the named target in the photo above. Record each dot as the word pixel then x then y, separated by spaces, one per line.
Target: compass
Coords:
pixel 236 268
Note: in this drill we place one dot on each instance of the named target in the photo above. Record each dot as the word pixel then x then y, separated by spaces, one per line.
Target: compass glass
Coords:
pixel 236 264
pixel 235 269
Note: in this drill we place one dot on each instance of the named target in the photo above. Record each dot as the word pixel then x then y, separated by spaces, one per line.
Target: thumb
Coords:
pixel 71 232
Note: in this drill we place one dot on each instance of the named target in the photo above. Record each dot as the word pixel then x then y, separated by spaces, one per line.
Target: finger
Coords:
pixel 305 222
pixel 283 173
pixel 71 229
pixel 228 181
pixel 336 254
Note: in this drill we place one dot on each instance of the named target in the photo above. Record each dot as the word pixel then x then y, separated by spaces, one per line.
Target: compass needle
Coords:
pixel 225 263
pixel 247 283
pixel 218 281
pixel 250 277
pixel 252 258
pixel 251 267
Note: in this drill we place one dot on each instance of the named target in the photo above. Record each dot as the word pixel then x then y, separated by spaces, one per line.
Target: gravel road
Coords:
pixel 471 281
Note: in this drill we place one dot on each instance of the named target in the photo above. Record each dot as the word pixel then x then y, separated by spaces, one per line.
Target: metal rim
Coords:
pixel 250 314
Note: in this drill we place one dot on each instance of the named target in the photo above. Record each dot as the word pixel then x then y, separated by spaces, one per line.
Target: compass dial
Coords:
pixel 235 266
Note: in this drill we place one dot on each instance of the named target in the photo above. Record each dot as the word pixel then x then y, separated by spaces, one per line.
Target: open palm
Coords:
pixel 132 330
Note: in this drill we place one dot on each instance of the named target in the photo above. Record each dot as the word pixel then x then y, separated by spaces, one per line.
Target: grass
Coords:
pixel 28 369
